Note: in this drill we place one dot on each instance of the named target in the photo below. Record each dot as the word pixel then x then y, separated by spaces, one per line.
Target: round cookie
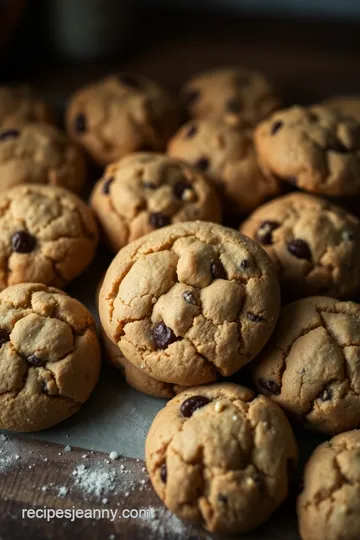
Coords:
pixel 146 191
pixel 314 148
pixel 119 115
pixel 40 154
pixel 47 235
pixel 190 303
pixel 315 245
pixel 220 457
pixel 19 106
pixel 242 96
pixel 310 365
pixel 346 105
pixel 49 357
pixel 329 505
pixel 226 153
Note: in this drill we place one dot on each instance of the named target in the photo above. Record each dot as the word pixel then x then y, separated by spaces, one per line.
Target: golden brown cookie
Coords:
pixel 226 153
pixel 40 154
pixel 191 302
pixel 329 505
pixel 314 148
pixel 143 192
pixel 315 245
pixel 220 457
pixel 20 105
pixel 49 357
pixel 346 105
pixel 119 115
pixel 47 235
pixel 310 365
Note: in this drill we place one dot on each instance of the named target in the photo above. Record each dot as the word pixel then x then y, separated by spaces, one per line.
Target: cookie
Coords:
pixel 346 105
pixel 220 457
pixel 47 235
pixel 146 191
pixel 329 505
pixel 226 153
pixel 40 154
pixel 20 106
pixel 242 96
pixel 310 366
pixel 119 115
pixel 314 148
pixel 190 303
pixel 49 357
pixel 315 245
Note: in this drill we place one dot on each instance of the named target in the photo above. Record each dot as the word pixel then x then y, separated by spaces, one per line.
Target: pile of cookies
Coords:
pixel 188 302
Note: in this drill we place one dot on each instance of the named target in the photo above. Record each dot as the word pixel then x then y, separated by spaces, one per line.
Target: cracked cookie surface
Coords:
pixel 47 235
pixel 329 505
pixel 190 302
pixel 49 357
pixel 242 96
pixel 220 457
pixel 19 105
pixel 310 366
pixel 40 154
pixel 314 244
pixel 226 153
pixel 314 148
pixel 119 115
pixel 146 191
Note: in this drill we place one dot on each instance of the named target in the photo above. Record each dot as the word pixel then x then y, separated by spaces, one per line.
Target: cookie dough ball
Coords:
pixel 311 364
pixel 226 153
pixel 47 235
pixel 242 96
pixel 346 105
pixel 119 115
pixel 329 506
pixel 190 303
pixel 49 357
pixel 20 106
pixel 314 148
pixel 40 154
pixel 144 192
pixel 220 457
pixel 315 245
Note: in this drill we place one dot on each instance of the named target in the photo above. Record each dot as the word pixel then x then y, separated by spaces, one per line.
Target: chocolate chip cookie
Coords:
pixel 40 154
pixel 226 153
pixel 47 235
pixel 220 457
pixel 20 106
pixel 346 105
pixel 314 148
pixel 147 191
pixel 310 366
pixel 119 115
pixel 190 303
pixel 315 245
pixel 329 506
pixel 49 357
pixel 242 96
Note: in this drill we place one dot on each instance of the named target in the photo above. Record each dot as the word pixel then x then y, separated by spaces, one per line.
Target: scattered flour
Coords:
pixel 95 480
pixel 67 448
pixel 63 491
pixel 164 525
pixel 8 452
pixel 113 455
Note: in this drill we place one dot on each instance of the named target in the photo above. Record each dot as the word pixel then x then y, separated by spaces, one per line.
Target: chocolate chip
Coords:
pixel 338 147
pixel 130 80
pixel 347 236
pixel 44 388
pixel 222 498
pixel 254 318
pixel 4 337
pixel 270 386
pixel 276 126
pixel 9 134
pixel 218 270
pixel 189 298
pixel 163 336
pixel 180 187
pixel 80 123
pixel 191 96
pixel 190 405
pixel 326 395
pixel 202 164
pixel 233 105
pixel 244 264
pixel 23 242
pixel 34 360
pixel 163 473
pixel 264 232
pixel 299 248
pixel 106 185
pixel 190 132
pixel 158 220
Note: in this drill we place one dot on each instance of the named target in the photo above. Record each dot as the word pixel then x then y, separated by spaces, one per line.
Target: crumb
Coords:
pixel 113 455
pixel 67 448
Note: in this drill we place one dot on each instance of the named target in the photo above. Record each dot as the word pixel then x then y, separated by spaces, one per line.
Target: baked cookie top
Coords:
pixel 310 364
pixel 314 148
pixel 190 302
pixel 20 105
pixel 119 115
pixel 216 453
pixel 146 191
